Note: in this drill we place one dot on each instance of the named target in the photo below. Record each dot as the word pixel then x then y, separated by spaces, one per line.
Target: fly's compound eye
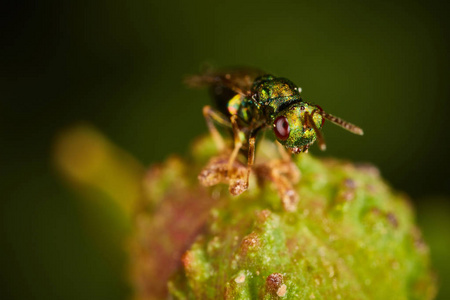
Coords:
pixel 281 128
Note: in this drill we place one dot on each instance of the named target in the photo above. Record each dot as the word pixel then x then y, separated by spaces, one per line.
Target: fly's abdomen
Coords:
pixel 221 96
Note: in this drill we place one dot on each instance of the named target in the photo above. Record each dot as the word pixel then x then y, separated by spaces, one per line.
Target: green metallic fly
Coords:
pixel 248 101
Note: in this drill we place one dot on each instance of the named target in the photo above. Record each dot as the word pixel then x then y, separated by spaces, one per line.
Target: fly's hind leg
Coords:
pixel 225 167
pixel 211 115
pixel 216 171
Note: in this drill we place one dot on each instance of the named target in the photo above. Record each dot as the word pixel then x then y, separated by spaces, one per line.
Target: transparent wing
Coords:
pixel 240 80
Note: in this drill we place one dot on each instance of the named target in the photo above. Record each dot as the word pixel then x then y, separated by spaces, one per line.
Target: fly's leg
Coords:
pixel 250 156
pixel 280 176
pixel 277 172
pixel 217 169
pixel 225 167
pixel 293 172
pixel 239 184
pixel 283 153
pixel 238 181
pixel 212 115
pixel 283 173
pixel 251 153
pixel 237 141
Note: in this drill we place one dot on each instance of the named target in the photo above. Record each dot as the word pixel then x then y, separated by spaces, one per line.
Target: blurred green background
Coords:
pixel 383 65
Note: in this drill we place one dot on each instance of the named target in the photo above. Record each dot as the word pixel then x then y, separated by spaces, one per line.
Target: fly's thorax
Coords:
pixel 292 128
pixel 273 94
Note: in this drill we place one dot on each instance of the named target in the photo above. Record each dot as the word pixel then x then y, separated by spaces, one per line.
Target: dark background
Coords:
pixel 383 65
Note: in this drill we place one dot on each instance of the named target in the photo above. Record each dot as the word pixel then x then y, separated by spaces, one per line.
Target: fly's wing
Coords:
pixel 239 80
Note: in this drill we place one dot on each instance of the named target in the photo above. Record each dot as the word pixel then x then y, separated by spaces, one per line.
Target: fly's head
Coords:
pixel 297 127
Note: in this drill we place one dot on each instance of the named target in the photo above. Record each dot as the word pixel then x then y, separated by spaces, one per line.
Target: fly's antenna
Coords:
pixel 344 124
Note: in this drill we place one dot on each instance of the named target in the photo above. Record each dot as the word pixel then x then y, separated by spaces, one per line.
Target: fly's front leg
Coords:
pixel 279 175
pixel 212 115
pixel 288 166
pixel 283 153
pixel 277 171
pixel 283 173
